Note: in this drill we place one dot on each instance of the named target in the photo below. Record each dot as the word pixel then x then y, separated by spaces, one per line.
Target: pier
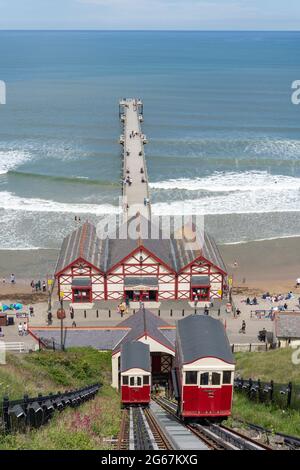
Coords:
pixel 135 185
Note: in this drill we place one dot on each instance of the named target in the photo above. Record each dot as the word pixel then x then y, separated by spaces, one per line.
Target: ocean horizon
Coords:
pixel 224 136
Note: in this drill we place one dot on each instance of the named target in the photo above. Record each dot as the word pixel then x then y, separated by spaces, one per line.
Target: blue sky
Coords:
pixel 150 14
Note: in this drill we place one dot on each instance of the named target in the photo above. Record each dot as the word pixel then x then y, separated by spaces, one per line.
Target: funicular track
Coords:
pixel 140 430
pixel 217 437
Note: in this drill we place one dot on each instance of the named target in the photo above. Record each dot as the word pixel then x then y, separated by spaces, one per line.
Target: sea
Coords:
pixel 224 135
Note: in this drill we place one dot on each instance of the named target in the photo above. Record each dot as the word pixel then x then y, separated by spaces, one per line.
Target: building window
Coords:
pixel 215 378
pixel 82 295
pixel 141 295
pixel 131 381
pixel 139 381
pixel 191 378
pixel 125 380
pixel 204 378
pixel 146 380
pixel 200 293
pixel 227 377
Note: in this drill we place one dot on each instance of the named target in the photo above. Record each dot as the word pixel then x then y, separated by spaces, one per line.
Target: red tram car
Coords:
pixel 135 374
pixel 204 369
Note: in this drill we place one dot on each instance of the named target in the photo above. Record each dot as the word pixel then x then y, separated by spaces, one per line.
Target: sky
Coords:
pixel 151 14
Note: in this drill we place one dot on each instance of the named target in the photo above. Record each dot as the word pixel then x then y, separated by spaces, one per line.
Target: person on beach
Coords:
pixel 32 285
pixel 44 286
pixel 25 328
pixel 12 279
pixel 4 281
pixel 31 311
pixel 1 332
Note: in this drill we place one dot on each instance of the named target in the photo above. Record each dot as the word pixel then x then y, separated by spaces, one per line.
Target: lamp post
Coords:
pixel 61 315
pixel 50 288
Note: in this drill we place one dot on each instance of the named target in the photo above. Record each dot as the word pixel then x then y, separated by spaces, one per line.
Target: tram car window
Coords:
pixel 204 368
pixel 135 373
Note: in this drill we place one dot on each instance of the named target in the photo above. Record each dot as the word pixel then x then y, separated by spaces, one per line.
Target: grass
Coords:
pixel 88 427
pixel 268 416
pixel 47 371
pixel 274 365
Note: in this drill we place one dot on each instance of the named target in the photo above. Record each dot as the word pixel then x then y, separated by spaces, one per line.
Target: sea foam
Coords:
pixel 232 181
pixel 12 159
pixel 9 201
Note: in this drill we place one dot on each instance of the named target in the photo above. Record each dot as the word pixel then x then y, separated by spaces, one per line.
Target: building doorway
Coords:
pixel 200 293
pixel 82 295
pixel 141 295
pixel 81 290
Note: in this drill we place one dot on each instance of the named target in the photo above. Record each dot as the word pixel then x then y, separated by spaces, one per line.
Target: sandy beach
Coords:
pixel 26 265
pixel 272 265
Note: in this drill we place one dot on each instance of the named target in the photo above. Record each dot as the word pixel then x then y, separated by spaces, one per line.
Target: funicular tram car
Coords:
pixel 204 369
pixel 135 374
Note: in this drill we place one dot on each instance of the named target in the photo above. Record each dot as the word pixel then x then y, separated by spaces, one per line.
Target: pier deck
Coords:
pixel 135 176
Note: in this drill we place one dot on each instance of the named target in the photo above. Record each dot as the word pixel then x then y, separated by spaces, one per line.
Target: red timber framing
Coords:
pixel 81 268
pixel 177 285
pixel 201 267
pixel 149 265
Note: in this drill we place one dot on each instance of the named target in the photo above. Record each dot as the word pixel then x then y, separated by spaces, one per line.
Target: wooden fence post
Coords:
pixel 250 382
pixel 289 395
pixel 25 402
pixel 259 390
pixel 5 406
pixel 271 390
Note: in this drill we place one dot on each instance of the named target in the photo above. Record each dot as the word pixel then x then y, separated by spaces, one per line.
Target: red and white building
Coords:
pixel 91 269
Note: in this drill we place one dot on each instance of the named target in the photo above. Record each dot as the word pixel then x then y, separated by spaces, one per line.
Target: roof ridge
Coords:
pixel 83 239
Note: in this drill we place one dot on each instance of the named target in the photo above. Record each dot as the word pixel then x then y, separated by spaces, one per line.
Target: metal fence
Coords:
pixel 282 395
pixel 18 415
pixel 249 347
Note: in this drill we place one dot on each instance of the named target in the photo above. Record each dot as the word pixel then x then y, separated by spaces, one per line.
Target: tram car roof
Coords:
pixel 135 355
pixel 201 336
